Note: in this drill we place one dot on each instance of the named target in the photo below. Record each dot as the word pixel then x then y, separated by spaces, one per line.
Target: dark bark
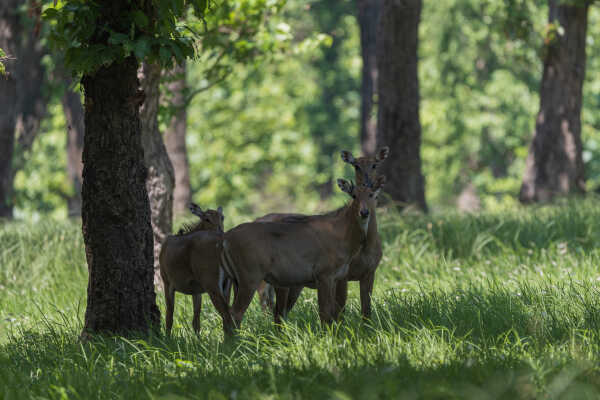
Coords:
pixel 555 164
pixel 73 110
pixel 398 123
pixel 10 30
pixel 175 140
pixel 115 208
pixel 368 19
pixel 160 180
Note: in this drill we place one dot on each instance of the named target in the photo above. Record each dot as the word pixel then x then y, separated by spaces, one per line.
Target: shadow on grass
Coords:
pixel 471 343
pixel 118 368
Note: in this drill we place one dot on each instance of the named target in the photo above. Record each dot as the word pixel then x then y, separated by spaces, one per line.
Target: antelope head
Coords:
pixel 366 167
pixel 364 198
pixel 210 220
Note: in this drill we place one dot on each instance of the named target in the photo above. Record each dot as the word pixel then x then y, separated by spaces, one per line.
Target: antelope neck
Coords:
pixel 353 230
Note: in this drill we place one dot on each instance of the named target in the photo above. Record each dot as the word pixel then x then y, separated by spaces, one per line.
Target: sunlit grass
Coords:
pixel 497 305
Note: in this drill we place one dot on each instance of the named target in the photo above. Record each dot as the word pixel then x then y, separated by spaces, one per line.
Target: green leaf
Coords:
pixel 177 51
pixel 118 38
pixel 165 55
pixel 51 13
pixel 140 19
pixel 141 47
pixel 199 7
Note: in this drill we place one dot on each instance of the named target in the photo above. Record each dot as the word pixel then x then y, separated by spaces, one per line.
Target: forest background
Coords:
pixel 266 135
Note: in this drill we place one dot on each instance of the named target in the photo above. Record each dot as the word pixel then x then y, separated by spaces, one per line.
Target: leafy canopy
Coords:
pixel 96 33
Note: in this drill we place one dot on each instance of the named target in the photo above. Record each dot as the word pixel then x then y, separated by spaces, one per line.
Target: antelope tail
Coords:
pixel 229 267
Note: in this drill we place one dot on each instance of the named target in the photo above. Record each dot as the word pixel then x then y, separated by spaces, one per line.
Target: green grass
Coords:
pixel 491 306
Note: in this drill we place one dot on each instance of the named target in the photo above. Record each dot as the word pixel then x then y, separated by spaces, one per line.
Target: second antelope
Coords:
pixel 299 250
pixel 364 265
pixel 189 263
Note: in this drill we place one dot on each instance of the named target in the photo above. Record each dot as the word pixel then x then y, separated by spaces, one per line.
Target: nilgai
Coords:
pixel 190 264
pixel 299 250
pixel 362 268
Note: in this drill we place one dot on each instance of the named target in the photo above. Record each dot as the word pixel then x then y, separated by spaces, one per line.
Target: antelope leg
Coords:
pixel 325 294
pixel 341 295
pixel 170 302
pixel 281 296
pixel 293 297
pixel 223 309
pixel 242 300
pixel 197 308
pixel 366 289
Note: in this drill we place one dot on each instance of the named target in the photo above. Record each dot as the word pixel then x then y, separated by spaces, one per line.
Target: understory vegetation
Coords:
pixel 487 306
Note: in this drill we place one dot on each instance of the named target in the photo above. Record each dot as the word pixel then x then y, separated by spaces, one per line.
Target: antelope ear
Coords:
pixel 345 186
pixel 220 211
pixel 347 157
pixel 195 209
pixel 382 154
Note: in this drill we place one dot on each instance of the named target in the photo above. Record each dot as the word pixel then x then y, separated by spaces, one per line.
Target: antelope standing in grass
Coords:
pixel 299 250
pixel 362 268
pixel 189 263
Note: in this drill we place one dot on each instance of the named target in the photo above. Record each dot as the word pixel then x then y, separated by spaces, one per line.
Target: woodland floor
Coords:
pixel 488 306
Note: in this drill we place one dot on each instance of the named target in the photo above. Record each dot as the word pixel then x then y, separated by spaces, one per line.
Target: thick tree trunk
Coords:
pixel 73 110
pixel 175 140
pixel 398 123
pixel 368 19
pixel 10 31
pixel 115 208
pixel 554 164
pixel 160 180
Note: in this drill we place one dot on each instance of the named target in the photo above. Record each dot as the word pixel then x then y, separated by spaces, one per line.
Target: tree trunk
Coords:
pixel 175 140
pixel 73 110
pixel 160 180
pixel 10 30
pixel 368 19
pixel 32 100
pixel 554 165
pixel 115 208
pixel 22 100
pixel 398 123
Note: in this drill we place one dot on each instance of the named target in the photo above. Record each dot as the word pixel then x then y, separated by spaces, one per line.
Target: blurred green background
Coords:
pixel 268 137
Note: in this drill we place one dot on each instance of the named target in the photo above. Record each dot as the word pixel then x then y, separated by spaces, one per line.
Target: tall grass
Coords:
pixel 497 305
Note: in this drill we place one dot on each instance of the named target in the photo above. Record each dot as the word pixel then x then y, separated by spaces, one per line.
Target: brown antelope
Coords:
pixel 299 250
pixel 190 264
pixel 361 269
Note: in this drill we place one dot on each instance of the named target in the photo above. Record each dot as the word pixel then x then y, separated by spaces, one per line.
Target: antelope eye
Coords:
pixel 353 196
pixel 374 166
pixel 356 167
pixel 371 195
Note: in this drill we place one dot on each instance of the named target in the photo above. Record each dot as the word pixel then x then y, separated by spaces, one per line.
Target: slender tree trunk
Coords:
pixel 368 19
pixel 160 180
pixel 554 165
pixel 32 100
pixel 398 123
pixel 73 110
pixel 10 31
pixel 175 140
pixel 115 208
pixel 22 100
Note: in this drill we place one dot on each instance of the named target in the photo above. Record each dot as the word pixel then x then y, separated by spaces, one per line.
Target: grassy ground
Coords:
pixel 498 305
